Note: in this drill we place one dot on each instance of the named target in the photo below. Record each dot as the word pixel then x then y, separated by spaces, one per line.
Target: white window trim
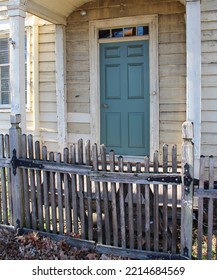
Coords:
pixel 94 26
pixel 7 107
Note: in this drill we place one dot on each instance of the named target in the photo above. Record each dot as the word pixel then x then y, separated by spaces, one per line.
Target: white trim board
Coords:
pixel 152 22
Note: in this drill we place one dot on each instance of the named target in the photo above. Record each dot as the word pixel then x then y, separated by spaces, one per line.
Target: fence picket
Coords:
pixel 60 197
pixel 26 183
pixel 147 209
pixel 114 201
pixel 210 209
pixel 3 199
pixel 67 200
pixel 98 197
pixel 89 193
pixel 1 156
pixel 130 210
pixel 52 185
pixel 139 209
pixel 34 216
pixel 105 199
pixel 122 205
pixel 74 191
pixel 39 188
pixel 174 202
pixel 46 200
pixel 9 189
pixel 156 206
pixel 83 217
pixel 165 201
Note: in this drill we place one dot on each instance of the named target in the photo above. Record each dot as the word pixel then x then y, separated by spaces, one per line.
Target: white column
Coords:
pixel 60 55
pixel 17 61
pixel 193 48
pixel 35 80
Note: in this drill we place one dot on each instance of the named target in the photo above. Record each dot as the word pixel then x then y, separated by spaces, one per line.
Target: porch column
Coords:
pixel 16 12
pixel 60 52
pixel 35 79
pixel 193 49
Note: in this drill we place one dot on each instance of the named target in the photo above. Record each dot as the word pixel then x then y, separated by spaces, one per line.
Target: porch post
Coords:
pixel 193 98
pixel 16 12
pixel 61 86
pixel 187 189
pixel 16 173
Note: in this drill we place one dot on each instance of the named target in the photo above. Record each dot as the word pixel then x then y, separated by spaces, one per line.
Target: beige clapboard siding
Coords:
pixel 172 78
pixel 5 121
pixel 47 86
pixel 171 53
pixel 209 76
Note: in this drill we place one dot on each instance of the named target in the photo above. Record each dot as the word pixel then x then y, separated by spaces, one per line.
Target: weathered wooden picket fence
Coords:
pixel 90 193
pixel 205 241
pixel 95 196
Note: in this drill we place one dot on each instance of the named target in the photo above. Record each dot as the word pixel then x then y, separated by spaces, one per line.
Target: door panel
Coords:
pixel 124 93
pixel 112 85
pixel 136 130
pixel 113 129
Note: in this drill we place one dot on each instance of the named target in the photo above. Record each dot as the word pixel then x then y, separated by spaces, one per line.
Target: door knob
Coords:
pixel 105 106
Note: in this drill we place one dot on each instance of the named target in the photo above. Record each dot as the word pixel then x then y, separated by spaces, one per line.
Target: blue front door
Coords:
pixel 124 94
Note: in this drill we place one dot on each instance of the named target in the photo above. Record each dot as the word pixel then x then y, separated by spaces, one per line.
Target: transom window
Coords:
pixel 123 32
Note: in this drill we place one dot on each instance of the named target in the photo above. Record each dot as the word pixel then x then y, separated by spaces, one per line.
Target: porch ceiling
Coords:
pixel 59 10
pixel 55 11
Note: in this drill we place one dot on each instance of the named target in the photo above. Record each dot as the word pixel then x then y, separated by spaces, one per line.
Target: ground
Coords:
pixel 32 246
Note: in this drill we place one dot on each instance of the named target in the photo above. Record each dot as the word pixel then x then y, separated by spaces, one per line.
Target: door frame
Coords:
pixel 94 27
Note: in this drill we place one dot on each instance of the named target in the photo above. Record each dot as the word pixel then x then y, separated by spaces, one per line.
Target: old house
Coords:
pixel 124 73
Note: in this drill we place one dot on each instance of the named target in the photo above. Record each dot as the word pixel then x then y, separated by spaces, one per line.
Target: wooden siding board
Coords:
pixel 208 16
pixel 78 107
pixel 173 37
pixel 209 93
pixel 209 105
pixel 208 5
pixel 209 46
pixel 172 70
pixel 79 128
pixel 45 66
pixel 209 80
pixel 48 47
pixel 46 38
pixel 47 86
pixel 172 59
pixel 179 107
pixel 172 48
pixel 48 107
pixel 46 29
pixel 210 57
pixel 172 82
